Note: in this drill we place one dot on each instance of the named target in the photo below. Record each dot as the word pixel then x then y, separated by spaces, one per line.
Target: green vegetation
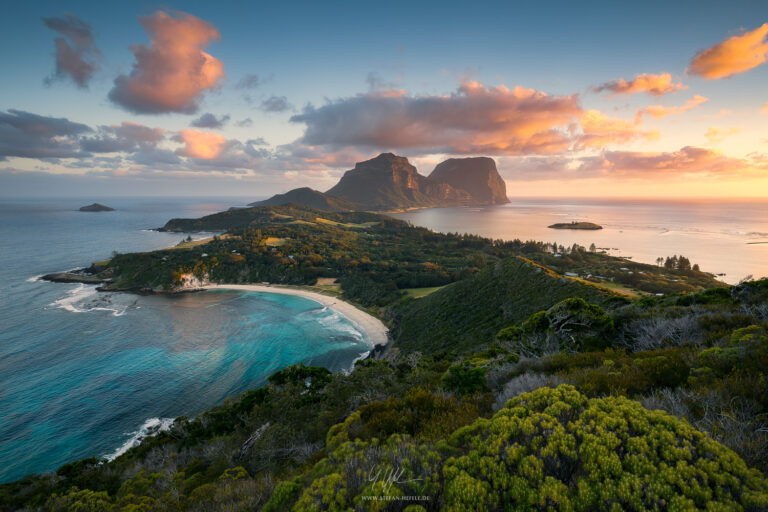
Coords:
pixel 508 387
pixel 552 449
pixel 467 314
pixel 576 225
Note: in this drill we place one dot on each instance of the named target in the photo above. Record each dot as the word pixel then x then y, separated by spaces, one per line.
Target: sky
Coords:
pixel 574 99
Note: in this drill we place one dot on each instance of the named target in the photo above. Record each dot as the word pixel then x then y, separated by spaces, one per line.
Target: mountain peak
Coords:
pixel 476 175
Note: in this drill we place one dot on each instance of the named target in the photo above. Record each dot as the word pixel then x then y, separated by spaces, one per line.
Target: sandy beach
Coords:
pixel 371 326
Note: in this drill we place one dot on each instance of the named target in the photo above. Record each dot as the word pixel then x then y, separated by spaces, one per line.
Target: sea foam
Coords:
pixel 149 428
pixel 83 299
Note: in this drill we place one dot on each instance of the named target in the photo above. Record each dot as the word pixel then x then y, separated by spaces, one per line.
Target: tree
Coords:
pixel 592 247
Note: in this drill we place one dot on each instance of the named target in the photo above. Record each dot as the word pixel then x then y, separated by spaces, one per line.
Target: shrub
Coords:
pixel 572 323
pixel 464 379
pixel 557 449
pixel 552 449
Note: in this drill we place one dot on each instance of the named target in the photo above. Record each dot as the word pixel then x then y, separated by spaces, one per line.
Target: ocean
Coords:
pixel 727 237
pixel 85 373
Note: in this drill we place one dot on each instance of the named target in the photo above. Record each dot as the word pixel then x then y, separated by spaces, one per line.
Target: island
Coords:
pixel 576 225
pixel 390 182
pixel 96 207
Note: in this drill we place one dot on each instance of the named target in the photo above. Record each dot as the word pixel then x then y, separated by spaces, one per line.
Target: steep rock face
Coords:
pixel 390 181
pixel 478 176
pixel 308 197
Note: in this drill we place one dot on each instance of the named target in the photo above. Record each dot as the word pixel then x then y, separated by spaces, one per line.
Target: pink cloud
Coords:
pixel 474 119
pixel 656 85
pixel 687 160
pixel 173 73
pixel 736 54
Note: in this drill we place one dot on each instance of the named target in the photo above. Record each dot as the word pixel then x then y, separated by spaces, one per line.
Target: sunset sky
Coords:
pixel 652 99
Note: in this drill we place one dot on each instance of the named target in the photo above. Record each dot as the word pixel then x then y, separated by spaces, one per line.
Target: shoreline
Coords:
pixel 373 328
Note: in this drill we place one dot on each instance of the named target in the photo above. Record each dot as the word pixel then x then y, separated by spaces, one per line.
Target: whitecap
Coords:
pixel 351 368
pixel 34 279
pixel 149 428
pixel 82 299
pixel 337 322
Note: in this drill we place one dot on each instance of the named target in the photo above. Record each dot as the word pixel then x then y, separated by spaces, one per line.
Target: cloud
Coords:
pixel 249 82
pixel 655 85
pixel 275 104
pixel 202 145
pixel 765 109
pixel 76 52
pixel 660 111
pixel 600 130
pixel 688 160
pixel 529 168
pixel 376 83
pixel 27 135
pixel 173 73
pixel 127 137
pixel 474 119
pixel 715 134
pixel 244 122
pixel 209 120
pixel 735 55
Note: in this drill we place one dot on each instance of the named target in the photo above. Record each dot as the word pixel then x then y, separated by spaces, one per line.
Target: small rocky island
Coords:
pixel 96 207
pixel 576 225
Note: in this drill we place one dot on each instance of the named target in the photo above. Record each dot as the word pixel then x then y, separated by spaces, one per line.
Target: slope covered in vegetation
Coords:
pixel 511 387
pixel 469 313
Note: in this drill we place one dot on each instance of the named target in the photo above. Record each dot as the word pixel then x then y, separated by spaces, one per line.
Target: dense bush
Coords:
pixel 571 324
pixel 464 379
pixel 552 449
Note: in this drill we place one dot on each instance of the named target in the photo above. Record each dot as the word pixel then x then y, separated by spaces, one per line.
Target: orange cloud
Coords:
pixel 600 130
pixel 688 160
pixel 656 85
pixel 660 111
pixel 715 134
pixel 734 55
pixel 173 73
pixel 765 109
pixel 202 145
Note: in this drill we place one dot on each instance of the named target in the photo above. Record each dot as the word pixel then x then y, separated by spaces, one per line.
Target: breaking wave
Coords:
pixel 149 428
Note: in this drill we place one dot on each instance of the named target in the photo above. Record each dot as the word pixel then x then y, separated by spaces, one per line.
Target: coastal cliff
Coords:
pixel 477 176
pixel 390 181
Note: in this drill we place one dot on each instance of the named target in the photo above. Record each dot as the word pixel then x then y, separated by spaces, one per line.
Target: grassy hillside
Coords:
pixel 465 315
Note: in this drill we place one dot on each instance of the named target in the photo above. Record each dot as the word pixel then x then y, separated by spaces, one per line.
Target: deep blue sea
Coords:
pixel 85 373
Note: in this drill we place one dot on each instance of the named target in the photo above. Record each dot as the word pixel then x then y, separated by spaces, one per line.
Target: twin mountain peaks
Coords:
pixel 389 182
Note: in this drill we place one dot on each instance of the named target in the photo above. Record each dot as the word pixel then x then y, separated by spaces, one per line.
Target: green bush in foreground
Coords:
pixel 551 449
